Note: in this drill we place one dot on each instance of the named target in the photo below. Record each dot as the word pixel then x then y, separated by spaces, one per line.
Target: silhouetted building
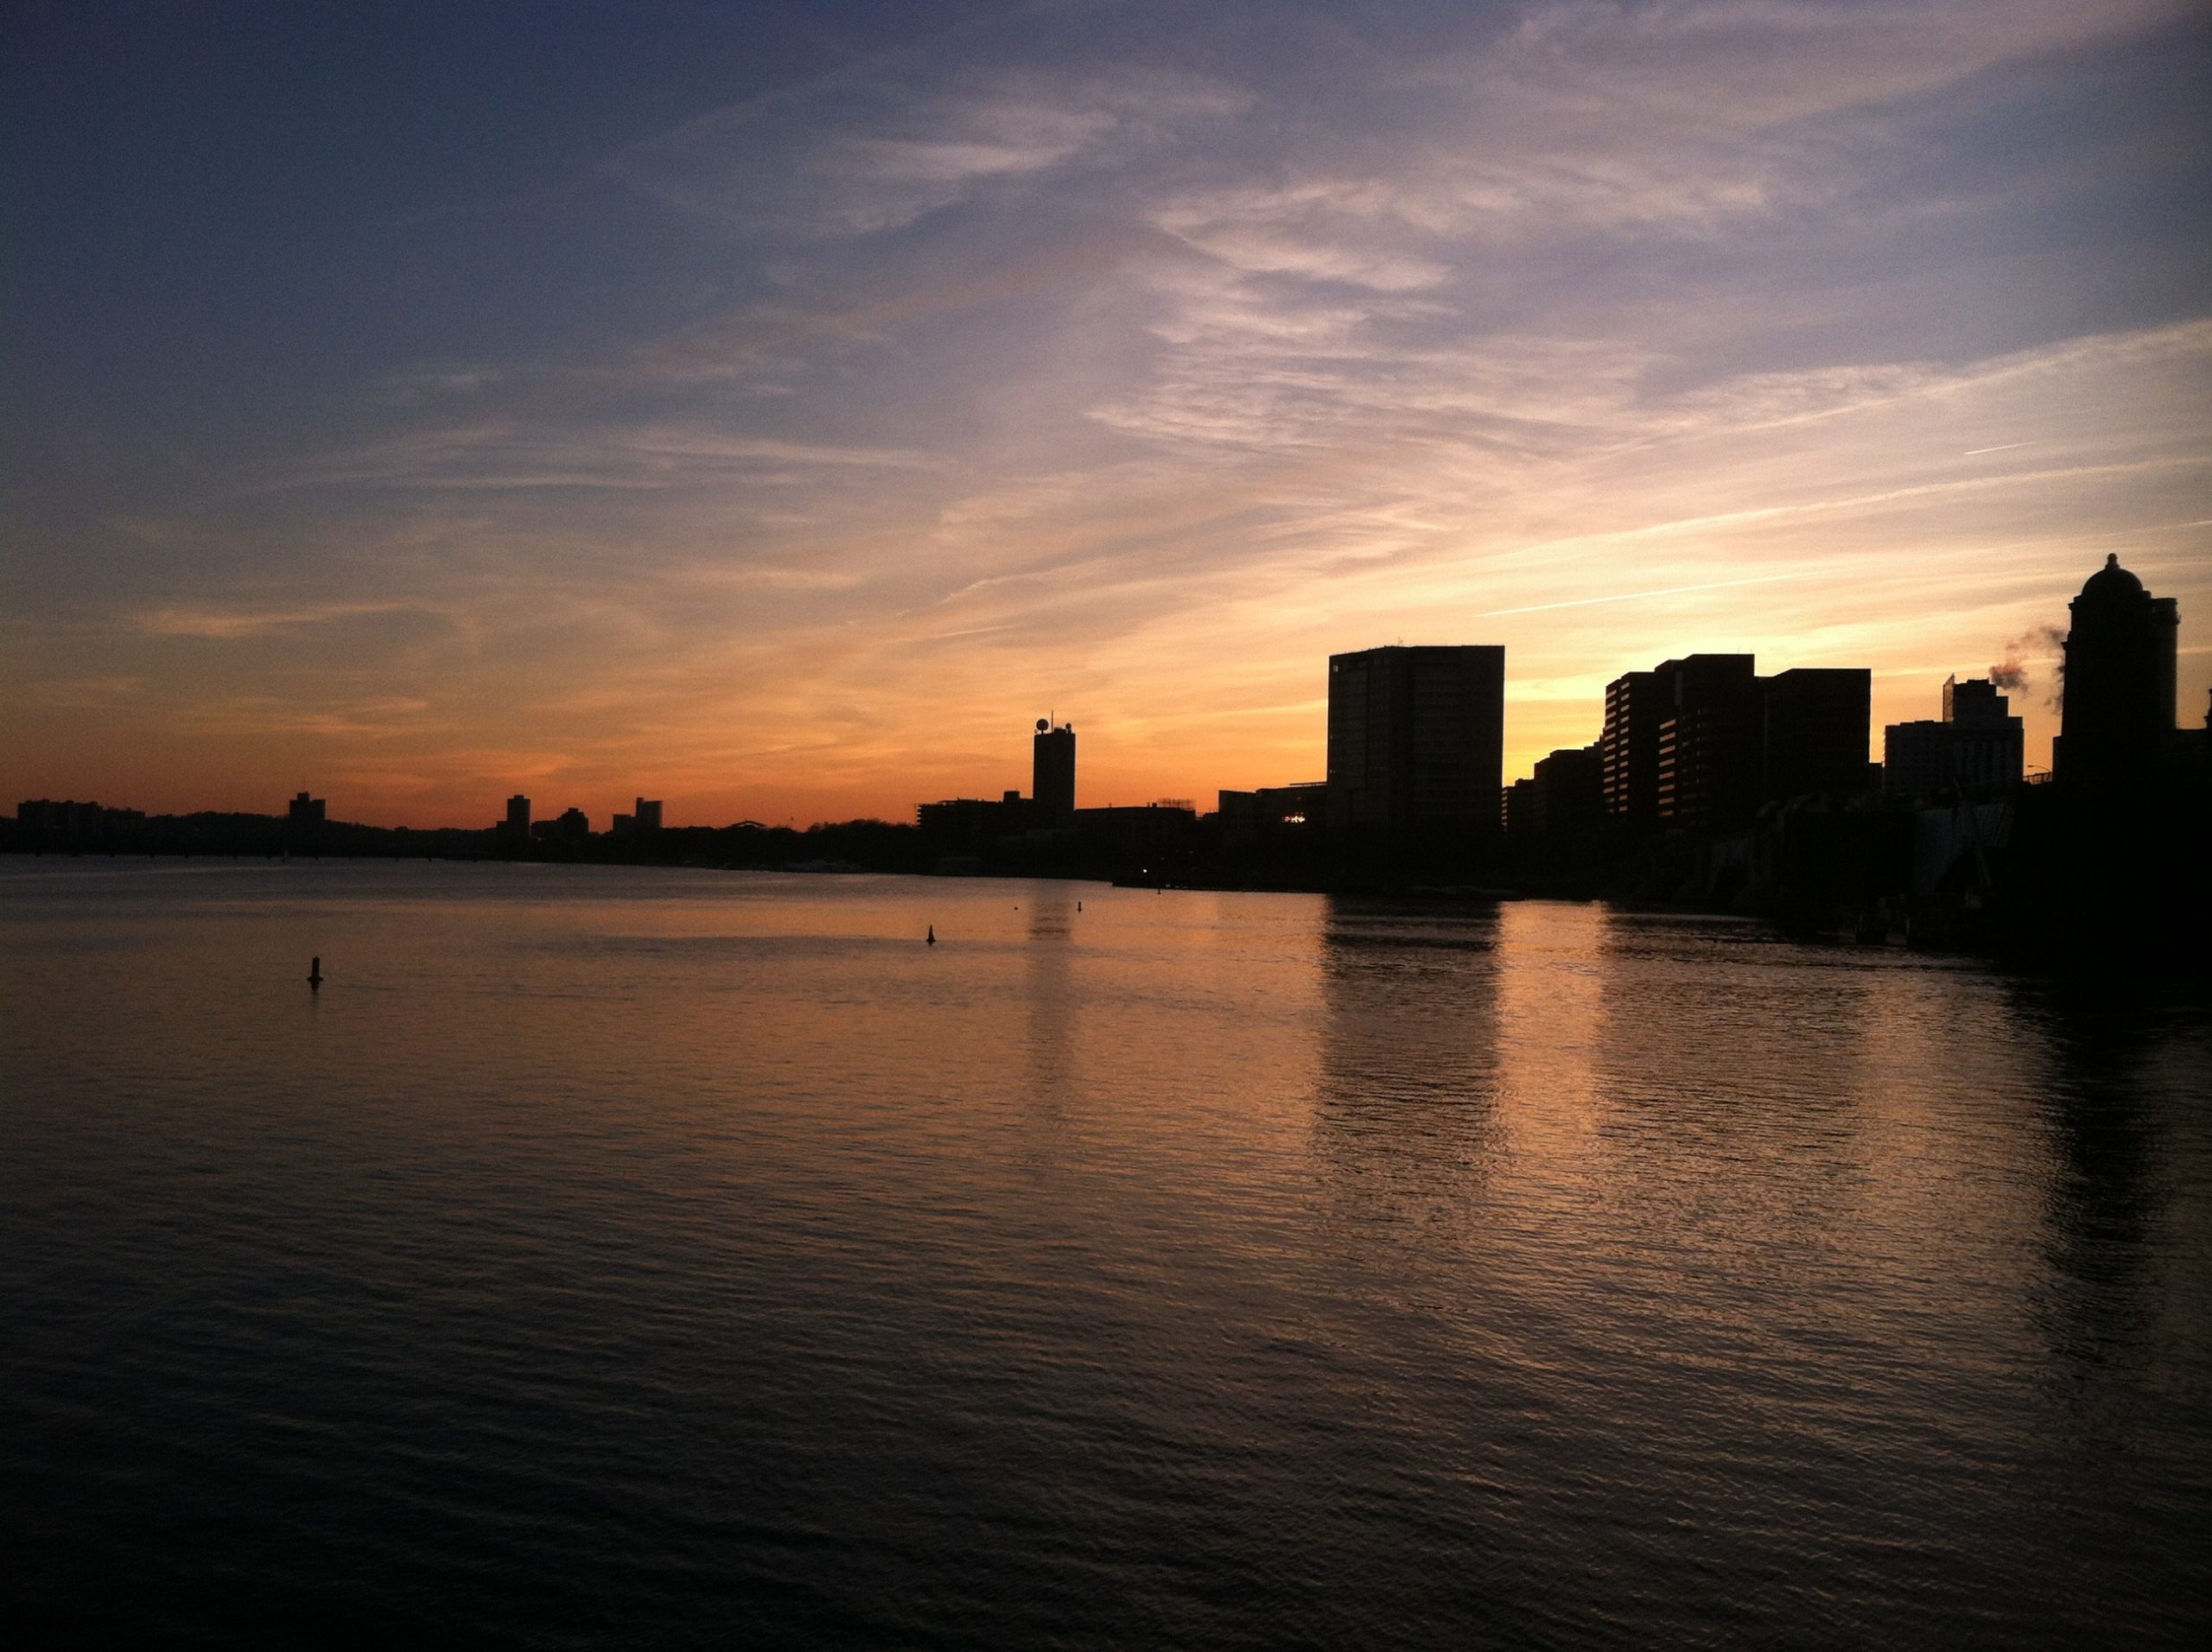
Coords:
pixel 1975 702
pixel 1564 798
pixel 1274 814
pixel 77 822
pixel 1703 740
pixel 1138 837
pixel 1416 740
pixel 2118 704
pixel 970 825
pixel 304 811
pixel 1978 747
pixel 1817 720
pixel 646 819
pixel 1051 772
pixel 512 829
pixel 571 826
pixel 1570 791
pixel 1516 812
pixel 1627 750
pixel 1710 760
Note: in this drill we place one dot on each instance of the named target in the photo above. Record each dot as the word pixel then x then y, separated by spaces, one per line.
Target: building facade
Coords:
pixel 1629 748
pixel 1703 740
pixel 1052 773
pixel 1416 742
pixel 1710 740
pixel 1817 722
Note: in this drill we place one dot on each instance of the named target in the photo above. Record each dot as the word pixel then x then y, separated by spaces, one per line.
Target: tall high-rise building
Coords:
pixel 1416 740
pixel 1627 750
pixel 1818 719
pixel 518 814
pixel 304 811
pixel 2118 704
pixel 1703 740
pixel 1709 740
pixel 1052 773
pixel 1977 747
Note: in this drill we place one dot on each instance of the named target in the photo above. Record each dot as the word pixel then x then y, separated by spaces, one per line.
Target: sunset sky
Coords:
pixel 776 410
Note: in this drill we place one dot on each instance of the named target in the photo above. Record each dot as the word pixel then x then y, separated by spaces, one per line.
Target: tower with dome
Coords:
pixel 2117 708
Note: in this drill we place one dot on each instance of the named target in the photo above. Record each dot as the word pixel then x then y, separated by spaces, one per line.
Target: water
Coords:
pixel 649 1257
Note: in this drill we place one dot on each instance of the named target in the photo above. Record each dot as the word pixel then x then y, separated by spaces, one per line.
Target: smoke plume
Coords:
pixel 2043 645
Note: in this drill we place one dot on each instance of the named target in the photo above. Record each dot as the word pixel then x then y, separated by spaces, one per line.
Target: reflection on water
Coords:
pixel 1406 1097
pixel 2117 1227
pixel 653 1255
pixel 1048 1000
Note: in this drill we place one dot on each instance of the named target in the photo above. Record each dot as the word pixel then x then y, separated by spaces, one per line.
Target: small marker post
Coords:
pixel 315 974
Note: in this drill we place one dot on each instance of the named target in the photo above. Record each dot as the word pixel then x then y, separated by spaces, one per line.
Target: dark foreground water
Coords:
pixel 630 1257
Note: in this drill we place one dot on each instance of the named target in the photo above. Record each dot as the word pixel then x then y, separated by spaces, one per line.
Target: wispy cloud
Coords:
pixel 236 624
pixel 380 717
pixel 858 156
pixel 1638 596
pixel 87 693
pixel 511 455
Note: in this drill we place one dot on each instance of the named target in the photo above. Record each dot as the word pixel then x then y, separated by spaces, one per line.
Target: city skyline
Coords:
pixel 1823 710
pixel 414 408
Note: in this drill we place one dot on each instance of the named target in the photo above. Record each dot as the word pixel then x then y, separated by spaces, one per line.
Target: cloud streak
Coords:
pixel 864 154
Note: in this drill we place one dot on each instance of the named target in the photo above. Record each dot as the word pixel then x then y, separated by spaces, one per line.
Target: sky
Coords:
pixel 775 409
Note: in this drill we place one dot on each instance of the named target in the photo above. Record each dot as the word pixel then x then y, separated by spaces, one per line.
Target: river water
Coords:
pixel 648 1257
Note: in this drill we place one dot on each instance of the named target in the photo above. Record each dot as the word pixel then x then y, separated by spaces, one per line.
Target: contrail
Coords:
pixel 1630 596
pixel 2002 447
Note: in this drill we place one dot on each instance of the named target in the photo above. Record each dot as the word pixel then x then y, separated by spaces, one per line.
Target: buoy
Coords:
pixel 1078 906
pixel 932 935
pixel 314 973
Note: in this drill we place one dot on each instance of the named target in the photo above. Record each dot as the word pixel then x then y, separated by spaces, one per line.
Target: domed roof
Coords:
pixel 2112 581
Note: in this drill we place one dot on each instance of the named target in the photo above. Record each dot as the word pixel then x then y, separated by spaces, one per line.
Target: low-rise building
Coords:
pixel 1976 749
